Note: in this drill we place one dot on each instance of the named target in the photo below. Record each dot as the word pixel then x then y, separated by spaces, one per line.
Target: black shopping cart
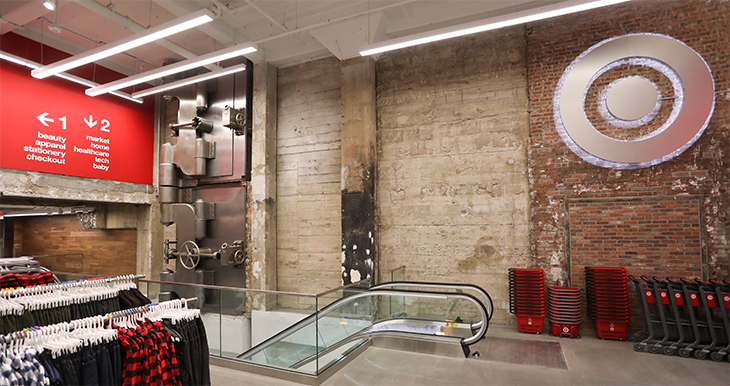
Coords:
pixel 685 317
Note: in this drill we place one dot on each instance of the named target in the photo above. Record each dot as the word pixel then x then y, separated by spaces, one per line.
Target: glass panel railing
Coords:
pixel 308 333
pixel 454 312
pixel 398 274
pixel 237 319
pixel 346 323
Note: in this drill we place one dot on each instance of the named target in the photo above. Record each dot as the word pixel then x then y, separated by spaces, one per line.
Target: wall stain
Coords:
pixel 483 256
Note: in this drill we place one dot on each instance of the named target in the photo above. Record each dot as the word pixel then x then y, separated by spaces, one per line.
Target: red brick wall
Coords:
pixel 85 251
pixel 647 236
pixel 559 178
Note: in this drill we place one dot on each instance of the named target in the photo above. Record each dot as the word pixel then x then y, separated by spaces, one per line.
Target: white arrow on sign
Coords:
pixel 90 122
pixel 44 120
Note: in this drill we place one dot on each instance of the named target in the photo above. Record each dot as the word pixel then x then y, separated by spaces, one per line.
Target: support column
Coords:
pixel 263 178
pixel 358 169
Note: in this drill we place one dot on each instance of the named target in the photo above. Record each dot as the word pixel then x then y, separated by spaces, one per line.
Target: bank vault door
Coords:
pixel 203 176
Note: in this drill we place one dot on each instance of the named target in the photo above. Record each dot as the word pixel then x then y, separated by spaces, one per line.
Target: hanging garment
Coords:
pixel 135 347
pixel 24 279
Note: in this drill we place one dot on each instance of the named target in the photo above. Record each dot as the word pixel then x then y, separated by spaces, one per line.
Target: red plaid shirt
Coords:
pixel 148 356
pixel 27 279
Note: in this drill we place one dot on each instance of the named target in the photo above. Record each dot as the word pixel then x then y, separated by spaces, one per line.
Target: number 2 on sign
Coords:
pixel 105 125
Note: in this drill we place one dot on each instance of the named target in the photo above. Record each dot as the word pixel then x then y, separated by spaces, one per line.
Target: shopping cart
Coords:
pixel 684 317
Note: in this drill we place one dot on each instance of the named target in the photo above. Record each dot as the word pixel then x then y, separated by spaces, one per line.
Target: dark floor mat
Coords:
pixel 522 351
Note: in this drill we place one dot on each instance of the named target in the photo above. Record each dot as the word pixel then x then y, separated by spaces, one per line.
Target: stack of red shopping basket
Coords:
pixel 564 311
pixel 608 301
pixel 527 298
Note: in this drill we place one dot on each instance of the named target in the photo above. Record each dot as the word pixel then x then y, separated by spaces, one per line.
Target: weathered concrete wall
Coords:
pixel 308 177
pixel 359 137
pixel 20 183
pixel 263 179
pixel 452 182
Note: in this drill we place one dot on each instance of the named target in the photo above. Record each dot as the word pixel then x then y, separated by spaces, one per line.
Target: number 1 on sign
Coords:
pixel 63 119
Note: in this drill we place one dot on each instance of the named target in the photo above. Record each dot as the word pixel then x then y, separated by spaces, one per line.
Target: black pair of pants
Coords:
pixel 192 352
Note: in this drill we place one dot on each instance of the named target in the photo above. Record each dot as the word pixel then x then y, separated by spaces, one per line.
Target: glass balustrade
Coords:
pixel 307 333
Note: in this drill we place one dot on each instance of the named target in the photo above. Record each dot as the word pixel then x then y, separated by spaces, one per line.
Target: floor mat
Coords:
pixel 522 351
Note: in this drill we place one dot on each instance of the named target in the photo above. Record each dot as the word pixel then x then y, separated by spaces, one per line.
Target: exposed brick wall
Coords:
pixel 558 175
pixel 85 251
pixel 648 236
pixel 308 177
pixel 452 199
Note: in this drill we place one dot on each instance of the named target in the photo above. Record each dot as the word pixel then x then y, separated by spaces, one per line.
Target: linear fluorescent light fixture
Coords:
pixel 73 78
pixel 535 14
pixel 202 60
pixel 158 32
pixel 191 80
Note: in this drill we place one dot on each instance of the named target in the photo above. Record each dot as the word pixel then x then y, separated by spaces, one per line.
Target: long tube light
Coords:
pixel 216 56
pixel 158 32
pixel 73 78
pixel 191 80
pixel 535 14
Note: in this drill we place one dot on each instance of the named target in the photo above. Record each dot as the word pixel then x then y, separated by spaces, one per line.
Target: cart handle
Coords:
pixel 701 281
pixel 644 278
pixel 669 279
pixel 685 281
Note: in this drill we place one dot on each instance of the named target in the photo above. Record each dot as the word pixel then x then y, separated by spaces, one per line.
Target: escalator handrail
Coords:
pixel 485 298
pixel 331 307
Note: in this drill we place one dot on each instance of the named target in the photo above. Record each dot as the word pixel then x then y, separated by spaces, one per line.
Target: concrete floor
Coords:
pixel 589 360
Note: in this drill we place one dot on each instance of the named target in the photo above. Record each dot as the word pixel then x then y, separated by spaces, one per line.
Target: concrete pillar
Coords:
pixel 149 241
pixel 358 169
pixel 263 178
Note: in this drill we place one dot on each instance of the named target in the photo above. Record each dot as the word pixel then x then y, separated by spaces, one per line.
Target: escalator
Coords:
pixel 446 313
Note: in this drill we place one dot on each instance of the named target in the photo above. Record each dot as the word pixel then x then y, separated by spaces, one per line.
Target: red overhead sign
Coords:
pixel 51 126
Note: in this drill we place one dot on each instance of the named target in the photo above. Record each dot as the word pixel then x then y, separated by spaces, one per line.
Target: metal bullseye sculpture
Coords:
pixel 633 101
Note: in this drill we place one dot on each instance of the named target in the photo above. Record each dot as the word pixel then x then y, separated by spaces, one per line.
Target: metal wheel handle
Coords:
pixel 239 257
pixel 189 254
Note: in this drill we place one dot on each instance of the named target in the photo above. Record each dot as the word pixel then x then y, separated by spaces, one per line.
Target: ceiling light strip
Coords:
pixel 63 75
pixel 535 14
pixel 191 80
pixel 217 56
pixel 158 32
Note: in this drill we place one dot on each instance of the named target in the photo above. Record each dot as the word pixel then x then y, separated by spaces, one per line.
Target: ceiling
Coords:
pixel 287 32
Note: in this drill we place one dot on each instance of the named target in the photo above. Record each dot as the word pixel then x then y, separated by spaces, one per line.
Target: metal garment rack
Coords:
pixel 67 326
pixel 39 289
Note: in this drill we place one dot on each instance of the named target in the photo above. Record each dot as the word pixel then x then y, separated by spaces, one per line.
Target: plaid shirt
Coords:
pixel 170 374
pixel 148 357
pixel 26 279
pixel 132 357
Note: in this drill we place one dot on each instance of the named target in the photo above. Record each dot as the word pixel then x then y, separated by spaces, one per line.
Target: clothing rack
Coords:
pixel 74 284
pixel 11 264
pixel 67 326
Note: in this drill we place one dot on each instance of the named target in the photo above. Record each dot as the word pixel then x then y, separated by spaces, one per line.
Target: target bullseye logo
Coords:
pixel 632 101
